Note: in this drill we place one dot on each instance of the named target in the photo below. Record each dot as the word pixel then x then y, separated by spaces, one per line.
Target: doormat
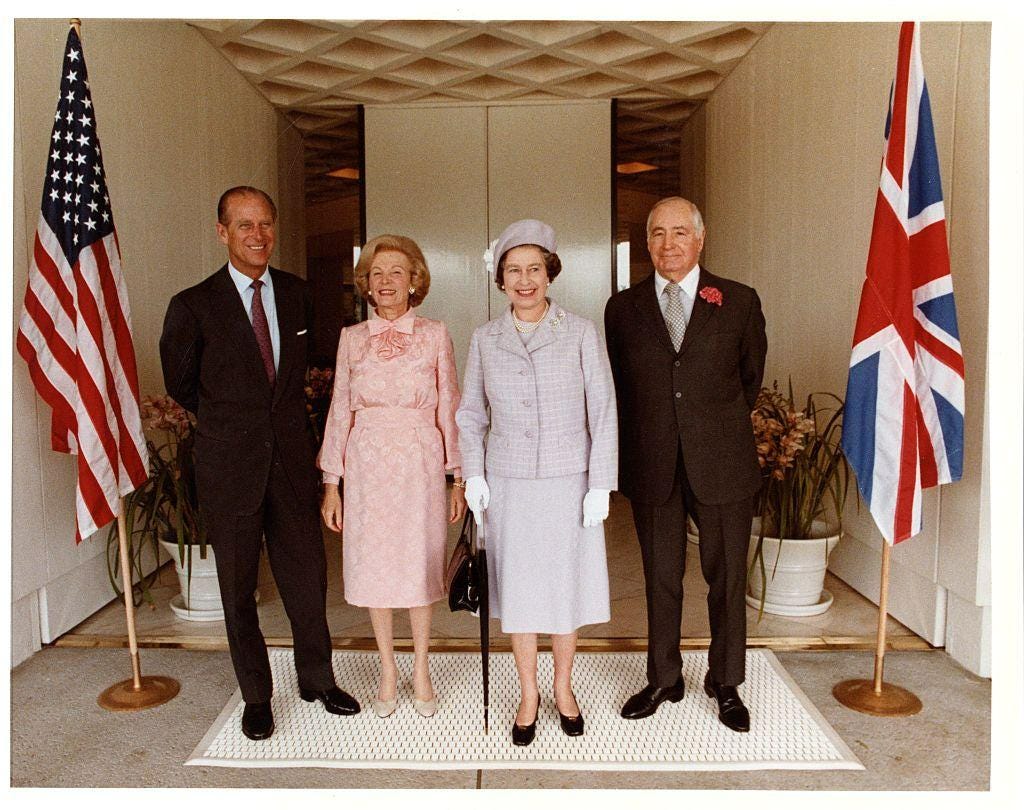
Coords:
pixel 787 731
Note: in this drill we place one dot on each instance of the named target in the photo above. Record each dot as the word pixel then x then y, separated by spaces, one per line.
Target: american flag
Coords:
pixel 903 426
pixel 75 328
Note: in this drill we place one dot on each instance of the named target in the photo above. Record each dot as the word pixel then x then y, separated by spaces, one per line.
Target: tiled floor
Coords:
pixel 851 615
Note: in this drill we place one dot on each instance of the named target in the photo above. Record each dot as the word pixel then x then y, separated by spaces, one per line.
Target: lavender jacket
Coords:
pixel 552 406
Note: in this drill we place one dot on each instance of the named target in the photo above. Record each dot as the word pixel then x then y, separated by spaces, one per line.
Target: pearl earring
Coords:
pixel 412 290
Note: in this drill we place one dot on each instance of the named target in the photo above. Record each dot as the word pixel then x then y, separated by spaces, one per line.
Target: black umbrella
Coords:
pixel 485 611
pixel 466 579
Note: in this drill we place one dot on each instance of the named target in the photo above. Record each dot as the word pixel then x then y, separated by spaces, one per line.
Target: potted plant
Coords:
pixel 799 507
pixel 164 511
pixel 319 388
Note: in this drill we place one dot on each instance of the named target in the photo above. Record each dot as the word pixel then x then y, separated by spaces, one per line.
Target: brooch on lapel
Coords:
pixel 712 295
pixel 558 317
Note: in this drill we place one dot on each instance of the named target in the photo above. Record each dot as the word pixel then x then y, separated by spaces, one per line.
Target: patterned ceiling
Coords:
pixel 317 72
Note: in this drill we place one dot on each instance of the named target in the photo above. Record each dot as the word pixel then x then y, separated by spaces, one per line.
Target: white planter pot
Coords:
pixel 795 570
pixel 199 600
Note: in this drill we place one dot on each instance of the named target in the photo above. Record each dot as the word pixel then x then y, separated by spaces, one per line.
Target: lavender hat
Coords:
pixel 523 232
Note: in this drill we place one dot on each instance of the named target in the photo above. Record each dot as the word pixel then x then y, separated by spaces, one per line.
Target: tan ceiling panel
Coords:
pixel 377 90
pixel 592 85
pixel 544 68
pixel 673 32
pixel 485 50
pixel 696 86
pixel 279 94
pixel 419 34
pixel 610 46
pixel 488 88
pixel 362 54
pixel 316 72
pixel 429 72
pixel 546 32
pixel 252 60
pixel 726 47
pixel 658 67
pixel 290 35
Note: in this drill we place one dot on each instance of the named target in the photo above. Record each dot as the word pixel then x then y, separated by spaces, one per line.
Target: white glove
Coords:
pixel 478 495
pixel 595 507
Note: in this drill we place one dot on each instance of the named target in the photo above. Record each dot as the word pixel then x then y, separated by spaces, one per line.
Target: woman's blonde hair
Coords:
pixel 420 280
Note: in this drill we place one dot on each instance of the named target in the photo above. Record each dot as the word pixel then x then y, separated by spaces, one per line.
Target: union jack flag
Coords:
pixel 903 427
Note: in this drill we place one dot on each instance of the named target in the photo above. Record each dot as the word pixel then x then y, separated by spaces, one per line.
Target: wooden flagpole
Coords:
pixel 875 696
pixel 140 692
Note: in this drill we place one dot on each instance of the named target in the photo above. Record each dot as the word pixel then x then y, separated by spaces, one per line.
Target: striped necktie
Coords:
pixel 262 330
pixel 675 316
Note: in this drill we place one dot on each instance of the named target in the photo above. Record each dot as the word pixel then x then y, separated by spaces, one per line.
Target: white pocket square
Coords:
pixel 301 333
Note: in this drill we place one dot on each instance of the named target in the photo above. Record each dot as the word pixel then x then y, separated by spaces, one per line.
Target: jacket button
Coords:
pixel 526 403
pixel 676 363
pixel 529 434
pixel 522 373
pixel 678 395
pixel 266 444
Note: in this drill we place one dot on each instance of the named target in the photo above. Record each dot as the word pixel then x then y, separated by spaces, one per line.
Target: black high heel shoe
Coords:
pixel 523 735
pixel 571 726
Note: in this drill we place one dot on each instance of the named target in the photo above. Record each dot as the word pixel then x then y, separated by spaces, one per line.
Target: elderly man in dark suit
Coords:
pixel 233 352
pixel 687 350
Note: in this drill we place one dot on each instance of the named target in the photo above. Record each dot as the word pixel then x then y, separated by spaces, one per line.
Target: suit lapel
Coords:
pixel 508 337
pixel 545 333
pixel 290 321
pixel 701 314
pixel 645 300
pixel 237 325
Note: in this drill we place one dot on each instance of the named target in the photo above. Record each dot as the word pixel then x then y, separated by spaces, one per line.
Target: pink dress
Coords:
pixel 391 434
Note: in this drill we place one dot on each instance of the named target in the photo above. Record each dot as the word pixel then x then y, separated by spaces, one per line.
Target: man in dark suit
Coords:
pixel 233 352
pixel 687 350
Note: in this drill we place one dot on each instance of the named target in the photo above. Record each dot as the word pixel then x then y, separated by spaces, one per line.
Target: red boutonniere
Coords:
pixel 712 295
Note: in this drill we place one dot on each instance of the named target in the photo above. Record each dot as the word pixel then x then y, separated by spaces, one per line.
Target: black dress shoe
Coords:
pixel 646 702
pixel 731 710
pixel 523 735
pixel 335 700
pixel 257 721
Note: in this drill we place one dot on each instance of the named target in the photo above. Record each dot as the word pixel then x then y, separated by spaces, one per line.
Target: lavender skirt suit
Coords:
pixel 537 419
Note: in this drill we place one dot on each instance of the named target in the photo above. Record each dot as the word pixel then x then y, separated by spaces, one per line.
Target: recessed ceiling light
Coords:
pixel 635 168
pixel 347 174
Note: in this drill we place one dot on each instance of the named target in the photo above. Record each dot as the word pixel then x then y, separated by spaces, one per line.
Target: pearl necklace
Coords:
pixel 526 327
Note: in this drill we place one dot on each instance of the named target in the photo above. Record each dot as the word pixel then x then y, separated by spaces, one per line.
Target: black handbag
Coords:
pixel 462 577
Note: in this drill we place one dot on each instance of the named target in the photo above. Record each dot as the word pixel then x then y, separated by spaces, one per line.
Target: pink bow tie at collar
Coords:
pixel 391 338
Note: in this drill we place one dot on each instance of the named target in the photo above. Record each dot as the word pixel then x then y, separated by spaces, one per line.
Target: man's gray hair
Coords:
pixel 698 220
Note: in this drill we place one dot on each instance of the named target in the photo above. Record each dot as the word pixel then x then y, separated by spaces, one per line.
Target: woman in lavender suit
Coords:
pixel 538 439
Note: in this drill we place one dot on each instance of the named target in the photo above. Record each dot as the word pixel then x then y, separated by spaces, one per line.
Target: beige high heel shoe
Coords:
pixel 384 708
pixel 425 708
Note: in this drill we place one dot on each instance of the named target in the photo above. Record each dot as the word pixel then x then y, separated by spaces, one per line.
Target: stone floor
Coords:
pixel 71 742
pixel 851 615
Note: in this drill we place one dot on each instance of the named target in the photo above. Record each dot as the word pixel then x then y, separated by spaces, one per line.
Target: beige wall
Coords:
pixel 178 125
pixel 471 171
pixel 692 158
pixel 793 144
pixel 433 189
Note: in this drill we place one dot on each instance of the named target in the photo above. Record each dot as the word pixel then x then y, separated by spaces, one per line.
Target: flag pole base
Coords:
pixel 860 695
pixel 124 697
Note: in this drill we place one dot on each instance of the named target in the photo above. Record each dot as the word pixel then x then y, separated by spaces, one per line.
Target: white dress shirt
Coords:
pixel 688 287
pixel 244 285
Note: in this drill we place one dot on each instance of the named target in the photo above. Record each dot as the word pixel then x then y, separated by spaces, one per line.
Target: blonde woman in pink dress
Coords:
pixel 391 435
